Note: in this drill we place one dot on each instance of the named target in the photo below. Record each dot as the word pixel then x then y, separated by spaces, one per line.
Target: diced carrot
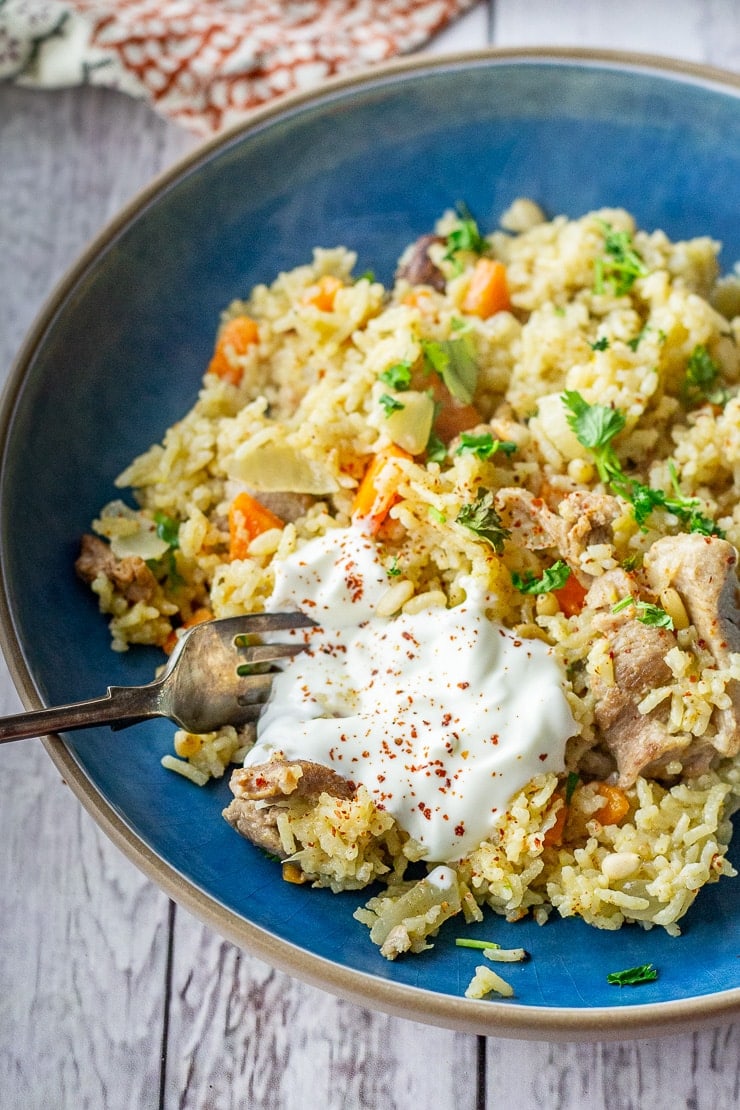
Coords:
pixel 570 597
pixel 554 836
pixel 376 492
pixel 488 291
pixel 452 416
pixel 236 337
pixel 322 294
pixel 248 518
pixel 198 616
pixel 616 804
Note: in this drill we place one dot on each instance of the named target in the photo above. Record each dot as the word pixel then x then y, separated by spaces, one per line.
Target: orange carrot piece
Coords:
pixel 322 294
pixel 376 492
pixel 248 518
pixel 554 836
pixel 198 616
pixel 616 804
pixel 237 336
pixel 570 597
pixel 488 291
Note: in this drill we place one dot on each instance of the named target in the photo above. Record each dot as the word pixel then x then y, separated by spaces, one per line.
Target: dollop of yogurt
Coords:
pixel 443 715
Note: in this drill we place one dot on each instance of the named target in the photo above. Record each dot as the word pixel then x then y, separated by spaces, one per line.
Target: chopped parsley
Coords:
pixel 168 529
pixel 398 376
pixel 631 976
pixel 390 404
pixel 651 615
pixel 620 265
pixel 595 426
pixel 601 344
pixel 435 514
pixel 465 237
pixel 700 380
pixel 481 518
pixel 483 446
pixel 570 785
pixel 553 578
pixel 454 361
pixel 393 570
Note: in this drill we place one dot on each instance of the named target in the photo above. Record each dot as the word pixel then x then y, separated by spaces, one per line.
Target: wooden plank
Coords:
pixel 242 1034
pixel 694 30
pixel 84 935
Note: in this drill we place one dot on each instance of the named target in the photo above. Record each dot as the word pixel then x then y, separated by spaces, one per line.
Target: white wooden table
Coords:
pixel 110 996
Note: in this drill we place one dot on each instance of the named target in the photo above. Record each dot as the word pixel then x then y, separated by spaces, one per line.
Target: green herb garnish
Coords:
pixel 454 361
pixel 393 570
pixel 601 344
pixel 398 376
pixel 168 529
pixel 645 973
pixel 595 426
pixel 481 517
pixel 651 615
pixel 620 265
pixel 483 446
pixel 699 383
pixel 435 514
pixel 553 578
pixel 465 942
pixel 390 404
pixel 465 237
pixel 570 785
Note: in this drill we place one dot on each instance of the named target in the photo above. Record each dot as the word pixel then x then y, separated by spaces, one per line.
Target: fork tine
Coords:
pixel 267 653
pixel 265 622
pixel 256 687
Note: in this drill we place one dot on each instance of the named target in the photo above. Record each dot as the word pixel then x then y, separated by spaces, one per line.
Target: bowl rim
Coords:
pixel 586 1024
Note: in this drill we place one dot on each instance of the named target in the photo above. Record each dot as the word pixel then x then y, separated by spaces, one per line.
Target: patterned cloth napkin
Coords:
pixel 205 63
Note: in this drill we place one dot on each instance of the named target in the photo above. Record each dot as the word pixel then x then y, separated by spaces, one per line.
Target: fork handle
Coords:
pixel 120 707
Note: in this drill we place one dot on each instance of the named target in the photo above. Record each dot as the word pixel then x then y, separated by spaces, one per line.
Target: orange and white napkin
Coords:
pixel 205 63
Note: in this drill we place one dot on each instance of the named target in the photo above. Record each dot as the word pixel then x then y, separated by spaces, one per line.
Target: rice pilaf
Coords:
pixel 578 396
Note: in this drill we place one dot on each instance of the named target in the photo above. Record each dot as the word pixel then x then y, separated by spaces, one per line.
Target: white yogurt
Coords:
pixel 442 715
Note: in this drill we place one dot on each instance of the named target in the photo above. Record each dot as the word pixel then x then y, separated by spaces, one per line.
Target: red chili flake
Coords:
pixel 426 810
pixel 543 757
pixel 463 685
pixel 494 738
pixel 517 643
pixel 460 829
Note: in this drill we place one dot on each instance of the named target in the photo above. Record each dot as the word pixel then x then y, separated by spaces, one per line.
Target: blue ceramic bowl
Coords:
pixel 368 163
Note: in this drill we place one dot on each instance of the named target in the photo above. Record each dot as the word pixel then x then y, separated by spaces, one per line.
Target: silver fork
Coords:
pixel 213 677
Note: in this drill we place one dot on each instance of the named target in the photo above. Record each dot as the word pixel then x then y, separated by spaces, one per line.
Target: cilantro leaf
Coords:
pixel 620 265
pixel 454 361
pixel 601 344
pixel 631 976
pixel 595 426
pixel 553 578
pixel 390 404
pixel 484 445
pixel 651 615
pixel 398 376
pixel 481 518
pixel 699 383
